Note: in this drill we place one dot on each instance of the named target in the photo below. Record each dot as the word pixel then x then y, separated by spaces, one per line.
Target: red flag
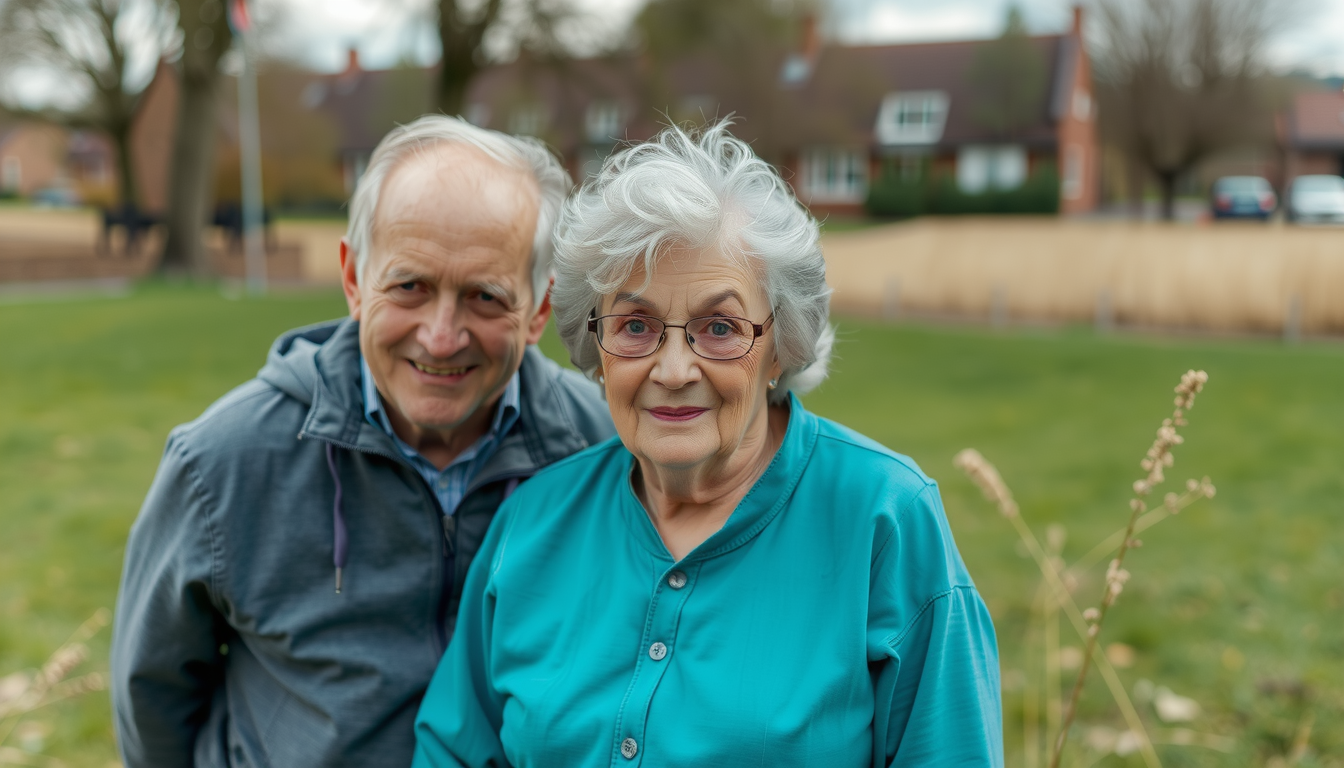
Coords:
pixel 239 17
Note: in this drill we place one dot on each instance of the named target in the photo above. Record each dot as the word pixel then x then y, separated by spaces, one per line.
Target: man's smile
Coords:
pixel 441 371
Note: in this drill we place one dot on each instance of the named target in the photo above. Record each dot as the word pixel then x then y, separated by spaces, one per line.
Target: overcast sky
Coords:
pixel 385 31
pixel 319 33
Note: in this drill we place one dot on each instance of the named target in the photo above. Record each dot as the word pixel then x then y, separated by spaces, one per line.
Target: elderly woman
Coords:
pixel 734 581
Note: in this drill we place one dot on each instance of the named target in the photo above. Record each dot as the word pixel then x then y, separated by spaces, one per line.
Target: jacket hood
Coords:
pixel 293 364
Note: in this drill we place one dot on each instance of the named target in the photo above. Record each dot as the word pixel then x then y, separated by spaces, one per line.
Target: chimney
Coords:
pixel 811 42
pixel 1077 21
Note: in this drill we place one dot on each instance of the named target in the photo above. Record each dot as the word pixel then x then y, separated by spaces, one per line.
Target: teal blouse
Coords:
pixel 830 622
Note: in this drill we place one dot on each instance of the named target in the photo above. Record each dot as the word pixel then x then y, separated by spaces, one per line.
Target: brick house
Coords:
pixel 831 116
pixel 37 156
pixel 32 157
pixel 924 121
pixel 1311 133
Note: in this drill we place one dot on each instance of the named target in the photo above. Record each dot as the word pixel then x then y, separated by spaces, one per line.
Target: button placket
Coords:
pixel 660 634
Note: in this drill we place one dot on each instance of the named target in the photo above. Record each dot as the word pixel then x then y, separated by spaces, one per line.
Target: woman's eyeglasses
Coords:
pixel 714 338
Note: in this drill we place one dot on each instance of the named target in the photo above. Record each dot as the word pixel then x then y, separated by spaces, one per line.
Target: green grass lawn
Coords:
pixel 1238 602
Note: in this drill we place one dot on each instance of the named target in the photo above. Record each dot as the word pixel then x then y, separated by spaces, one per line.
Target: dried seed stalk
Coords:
pixel 1158 458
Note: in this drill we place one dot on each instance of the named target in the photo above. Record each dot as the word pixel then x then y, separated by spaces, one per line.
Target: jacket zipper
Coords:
pixel 445 571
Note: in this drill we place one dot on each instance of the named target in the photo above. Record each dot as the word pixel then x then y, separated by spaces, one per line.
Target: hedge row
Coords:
pixel 889 196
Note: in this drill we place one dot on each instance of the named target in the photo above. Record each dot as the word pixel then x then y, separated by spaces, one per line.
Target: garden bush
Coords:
pixel 892 197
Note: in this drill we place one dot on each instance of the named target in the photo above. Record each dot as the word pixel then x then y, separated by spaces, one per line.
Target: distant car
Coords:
pixel 1316 198
pixel 55 197
pixel 1243 197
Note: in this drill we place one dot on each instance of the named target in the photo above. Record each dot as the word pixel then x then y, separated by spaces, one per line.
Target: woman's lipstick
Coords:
pixel 684 413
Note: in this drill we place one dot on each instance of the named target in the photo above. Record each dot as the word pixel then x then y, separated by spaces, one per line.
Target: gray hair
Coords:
pixel 695 190
pixel 523 153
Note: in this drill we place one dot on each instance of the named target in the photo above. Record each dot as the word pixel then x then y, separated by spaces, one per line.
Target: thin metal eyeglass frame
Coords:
pixel 758 330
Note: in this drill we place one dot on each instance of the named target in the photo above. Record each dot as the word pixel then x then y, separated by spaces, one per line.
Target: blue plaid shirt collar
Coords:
pixel 449 484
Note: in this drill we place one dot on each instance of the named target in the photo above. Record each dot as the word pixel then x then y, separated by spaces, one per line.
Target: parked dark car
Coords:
pixel 1243 197
pixel 1316 199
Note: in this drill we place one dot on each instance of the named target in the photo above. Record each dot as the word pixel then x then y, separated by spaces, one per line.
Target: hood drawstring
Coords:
pixel 341 540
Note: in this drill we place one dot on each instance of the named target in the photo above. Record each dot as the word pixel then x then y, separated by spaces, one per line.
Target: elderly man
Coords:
pixel 294 575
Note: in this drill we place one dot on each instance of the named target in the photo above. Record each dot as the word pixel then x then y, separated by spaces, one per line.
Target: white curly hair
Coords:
pixel 695 190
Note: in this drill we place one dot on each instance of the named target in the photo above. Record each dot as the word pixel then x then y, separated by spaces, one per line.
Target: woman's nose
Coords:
pixel 675 363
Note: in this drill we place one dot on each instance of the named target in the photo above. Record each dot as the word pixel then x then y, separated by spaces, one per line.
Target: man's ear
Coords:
pixel 536 326
pixel 350 279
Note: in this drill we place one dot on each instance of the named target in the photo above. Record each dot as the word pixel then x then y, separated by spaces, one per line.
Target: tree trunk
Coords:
pixel 454 77
pixel 191 178
pixel 1166 181
pixel 126 187
pixel 460 41
pixel 1136 178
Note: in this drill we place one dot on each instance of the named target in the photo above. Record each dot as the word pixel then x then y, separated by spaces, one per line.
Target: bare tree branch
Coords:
pixel 89 42
pixel 1179 79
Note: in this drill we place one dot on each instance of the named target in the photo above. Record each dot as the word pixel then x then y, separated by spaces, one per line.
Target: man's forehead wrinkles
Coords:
pixel 462 269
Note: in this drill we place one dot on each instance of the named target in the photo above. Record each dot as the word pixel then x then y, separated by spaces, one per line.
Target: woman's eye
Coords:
pixel 635 327
pixel 722 328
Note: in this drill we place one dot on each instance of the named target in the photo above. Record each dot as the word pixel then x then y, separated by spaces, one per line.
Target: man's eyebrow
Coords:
pixel 396 275
pixel 498 290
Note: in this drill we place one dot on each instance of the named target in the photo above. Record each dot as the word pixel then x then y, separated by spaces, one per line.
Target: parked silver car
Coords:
pixel 1316 198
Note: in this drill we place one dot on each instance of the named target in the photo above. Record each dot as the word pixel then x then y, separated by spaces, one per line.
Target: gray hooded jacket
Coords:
pixel 232 646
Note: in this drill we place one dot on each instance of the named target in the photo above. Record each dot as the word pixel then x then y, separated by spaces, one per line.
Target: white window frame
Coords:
pixel 604 122
pixel 11 175
pixel 1082 105
pixel 835 175
pixel 1072 184
pixel 985 167
pixel 912 117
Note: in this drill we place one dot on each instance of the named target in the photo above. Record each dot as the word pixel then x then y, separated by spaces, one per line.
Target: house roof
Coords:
pixel 835 102
pixel 840 101
pixel 1316 120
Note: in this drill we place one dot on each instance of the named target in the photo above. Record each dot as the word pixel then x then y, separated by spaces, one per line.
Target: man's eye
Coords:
pixel 407 286
pixel 485 296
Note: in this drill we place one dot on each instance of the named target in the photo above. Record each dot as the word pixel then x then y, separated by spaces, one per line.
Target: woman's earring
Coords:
pixel 601 379
pixel 773 383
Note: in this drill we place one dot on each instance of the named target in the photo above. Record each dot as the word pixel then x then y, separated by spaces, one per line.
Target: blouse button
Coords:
pixel 657 651
pixel 676 579
pixel 629 748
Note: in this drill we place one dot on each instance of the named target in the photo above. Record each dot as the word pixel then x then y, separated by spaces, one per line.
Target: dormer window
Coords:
pixel 912 117
pixel 603 122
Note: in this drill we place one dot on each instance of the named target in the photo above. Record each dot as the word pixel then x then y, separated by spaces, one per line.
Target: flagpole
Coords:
pixel 249 144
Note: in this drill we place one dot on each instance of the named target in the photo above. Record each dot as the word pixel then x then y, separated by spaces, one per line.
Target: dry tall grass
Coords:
pixel 1225 277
